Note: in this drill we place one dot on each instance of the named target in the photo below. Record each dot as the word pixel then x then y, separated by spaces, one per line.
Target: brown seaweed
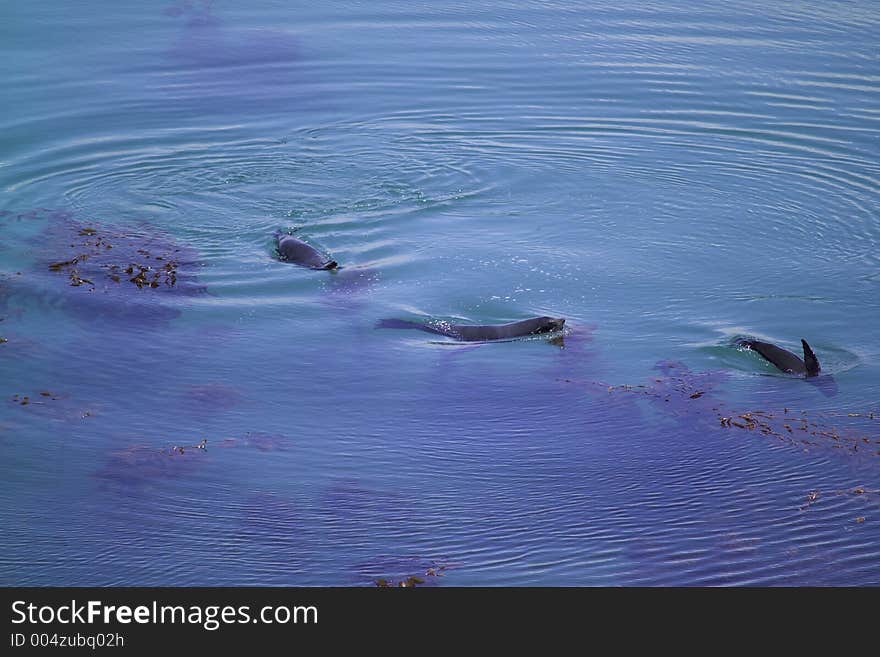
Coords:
pixel 684 393
pixel 404 572
pixel 145 268
pixel 111 272
pixel 138 464
pixel 52 405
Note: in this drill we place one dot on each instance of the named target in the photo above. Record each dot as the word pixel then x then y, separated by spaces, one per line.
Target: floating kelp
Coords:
pixel 44 397
pixel 428 578
pixel 681 392
pixel 404 572
pixel 107 272
pixel 137 465
pixel 860 491
pixel 410 582
pixel 147 261
pixel 803 429
pixel 868 497
pixel 54 405
pixel 181 449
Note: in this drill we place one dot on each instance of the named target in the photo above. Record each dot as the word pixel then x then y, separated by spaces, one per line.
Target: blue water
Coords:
pixel 666 177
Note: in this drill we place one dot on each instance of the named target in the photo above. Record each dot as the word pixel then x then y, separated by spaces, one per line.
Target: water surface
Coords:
pixel 667 178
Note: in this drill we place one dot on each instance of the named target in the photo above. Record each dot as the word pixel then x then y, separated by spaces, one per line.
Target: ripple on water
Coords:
pixel 667 173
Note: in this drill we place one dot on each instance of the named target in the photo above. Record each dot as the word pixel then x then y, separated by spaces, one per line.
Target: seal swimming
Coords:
pixel 783 359
pixel 292 249
pixel 480 332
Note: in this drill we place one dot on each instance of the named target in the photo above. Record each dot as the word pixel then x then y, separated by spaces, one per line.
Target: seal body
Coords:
pixel 481 332
pixel 783 359
pixel 292 249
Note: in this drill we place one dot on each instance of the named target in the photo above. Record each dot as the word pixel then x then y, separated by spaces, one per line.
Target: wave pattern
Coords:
pixel 666 177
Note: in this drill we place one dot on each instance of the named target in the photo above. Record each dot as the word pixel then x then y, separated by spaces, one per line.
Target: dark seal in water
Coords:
pixel 783 359
pixel 481 332
pixel 292 249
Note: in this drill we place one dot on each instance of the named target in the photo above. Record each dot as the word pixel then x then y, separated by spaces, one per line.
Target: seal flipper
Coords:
pixel 810 361
pixel 330 265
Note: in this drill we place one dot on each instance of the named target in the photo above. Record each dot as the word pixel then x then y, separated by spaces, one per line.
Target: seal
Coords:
pixel 480 332
pixel 292 249
pixel 783 359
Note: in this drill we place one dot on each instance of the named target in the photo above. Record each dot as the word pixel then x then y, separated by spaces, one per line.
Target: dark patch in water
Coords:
pixel 35 214
pixel 7 289
pixel 263 442
pixel 686 394
pixel 211 397
pixel 351 509
pixel 270 515
pixel 196 12
pixel 803 430
pixel 214 63
pixel 148 261
pixel 139 465
pixel 50 404
pixel 680 392
pixel 138 276
pixel 824 384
